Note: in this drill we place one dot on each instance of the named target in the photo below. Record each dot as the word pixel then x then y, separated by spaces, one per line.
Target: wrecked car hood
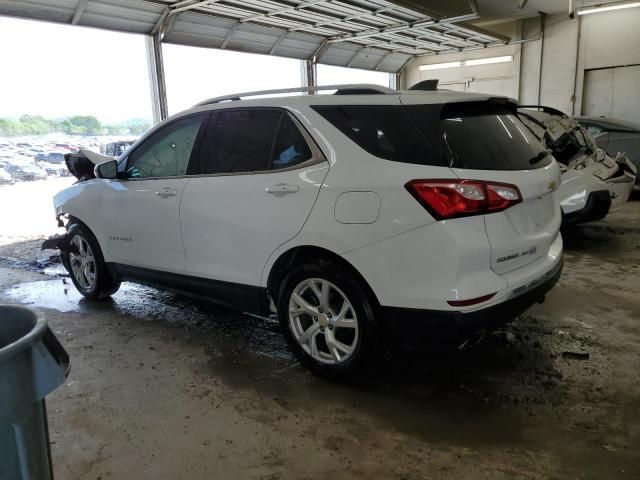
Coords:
pixel 575 149
pixel 82 163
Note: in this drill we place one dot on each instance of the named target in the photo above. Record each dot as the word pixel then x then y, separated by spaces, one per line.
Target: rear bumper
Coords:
pixel 596 208
pixel 418 328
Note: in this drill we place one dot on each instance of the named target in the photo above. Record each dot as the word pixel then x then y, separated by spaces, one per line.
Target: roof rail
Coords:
pixel 353 89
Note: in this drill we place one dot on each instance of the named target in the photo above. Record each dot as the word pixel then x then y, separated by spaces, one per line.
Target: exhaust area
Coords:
pixel 473 340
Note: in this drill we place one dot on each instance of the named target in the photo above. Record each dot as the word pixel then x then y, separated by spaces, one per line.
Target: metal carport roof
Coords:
pixel 369 34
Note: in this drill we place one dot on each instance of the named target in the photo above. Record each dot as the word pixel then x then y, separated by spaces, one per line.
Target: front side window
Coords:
pixel 167 151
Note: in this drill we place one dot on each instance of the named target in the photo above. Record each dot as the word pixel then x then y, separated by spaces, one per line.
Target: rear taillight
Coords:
pixel 470 301
pixel 462 198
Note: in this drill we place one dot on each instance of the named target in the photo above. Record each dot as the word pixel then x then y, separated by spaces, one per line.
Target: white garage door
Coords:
pixel 612 92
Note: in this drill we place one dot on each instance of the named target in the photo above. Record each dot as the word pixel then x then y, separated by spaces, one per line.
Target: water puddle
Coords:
pixel 456 397
pixel 259 335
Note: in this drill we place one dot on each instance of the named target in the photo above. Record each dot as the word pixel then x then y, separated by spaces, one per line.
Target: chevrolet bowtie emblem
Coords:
pixel 552 185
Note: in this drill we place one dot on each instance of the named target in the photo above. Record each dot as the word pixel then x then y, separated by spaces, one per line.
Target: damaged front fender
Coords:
pixel 55 242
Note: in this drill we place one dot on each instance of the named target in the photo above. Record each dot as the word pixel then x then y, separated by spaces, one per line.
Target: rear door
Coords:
pixel 485 140
pixel 258 175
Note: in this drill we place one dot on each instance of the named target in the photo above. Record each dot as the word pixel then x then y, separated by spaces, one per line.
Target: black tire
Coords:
pixel 104 285
pixel 369 347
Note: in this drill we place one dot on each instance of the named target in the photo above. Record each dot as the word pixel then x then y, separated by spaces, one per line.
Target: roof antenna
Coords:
pixel 426 85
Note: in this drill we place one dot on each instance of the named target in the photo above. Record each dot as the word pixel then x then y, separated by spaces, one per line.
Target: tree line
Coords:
pixel 76 125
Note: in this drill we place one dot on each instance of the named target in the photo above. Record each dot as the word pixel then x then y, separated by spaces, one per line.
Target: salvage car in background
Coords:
pixel 358 217
pixel 50 168
pixel 577 151
pixel 117 148
pixel 25 171
pixel 5 177
pixel 615 136
pixel 51 157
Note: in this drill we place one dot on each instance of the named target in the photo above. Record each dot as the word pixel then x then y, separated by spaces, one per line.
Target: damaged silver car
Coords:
pixel 593 182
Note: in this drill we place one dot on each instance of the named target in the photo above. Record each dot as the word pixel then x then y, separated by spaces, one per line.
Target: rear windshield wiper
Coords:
pixel 540 156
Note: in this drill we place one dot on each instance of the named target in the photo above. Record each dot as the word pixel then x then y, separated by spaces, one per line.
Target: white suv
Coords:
pixel 358 216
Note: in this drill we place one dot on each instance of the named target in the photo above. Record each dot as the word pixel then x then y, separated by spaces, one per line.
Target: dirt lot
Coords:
pixel 162 387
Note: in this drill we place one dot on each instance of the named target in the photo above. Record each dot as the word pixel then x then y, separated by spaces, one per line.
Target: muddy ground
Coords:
pixel 162 387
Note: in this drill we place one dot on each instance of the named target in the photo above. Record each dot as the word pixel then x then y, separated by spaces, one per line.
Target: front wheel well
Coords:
pixel 309 254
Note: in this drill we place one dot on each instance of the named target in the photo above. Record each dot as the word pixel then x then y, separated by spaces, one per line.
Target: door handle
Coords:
pixel 167 192
pixel 282 188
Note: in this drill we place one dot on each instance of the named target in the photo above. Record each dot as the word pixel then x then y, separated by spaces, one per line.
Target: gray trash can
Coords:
pixel 32 364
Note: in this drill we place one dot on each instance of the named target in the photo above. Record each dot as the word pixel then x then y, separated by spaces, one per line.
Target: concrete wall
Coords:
pixel 568 47
pixel 609 39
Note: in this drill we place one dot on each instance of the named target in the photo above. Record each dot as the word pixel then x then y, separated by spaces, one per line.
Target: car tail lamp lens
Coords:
pixel 471 301
pixel 501 196
pixel 461 198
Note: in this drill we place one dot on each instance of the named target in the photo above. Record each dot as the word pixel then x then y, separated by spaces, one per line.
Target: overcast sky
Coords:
pixel 58 70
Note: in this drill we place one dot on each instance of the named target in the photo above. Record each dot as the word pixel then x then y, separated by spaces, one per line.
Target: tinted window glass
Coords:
pixel 239 141
pixel 536 128
pixel 166 152
pixel 480 135
pixel 385 131
pixel 592 129
pixel 291 147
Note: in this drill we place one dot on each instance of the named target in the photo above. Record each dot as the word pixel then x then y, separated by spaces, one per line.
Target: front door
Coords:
pixel 142 210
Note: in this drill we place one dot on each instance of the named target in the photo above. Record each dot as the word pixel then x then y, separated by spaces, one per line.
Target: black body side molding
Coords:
pixel 245 298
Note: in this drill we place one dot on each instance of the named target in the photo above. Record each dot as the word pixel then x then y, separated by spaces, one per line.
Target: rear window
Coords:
pixel 475 135
pixel 385 131
pixel 480 135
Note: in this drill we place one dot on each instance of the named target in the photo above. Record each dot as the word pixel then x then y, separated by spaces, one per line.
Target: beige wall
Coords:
pixel 569 48
pixel 499 77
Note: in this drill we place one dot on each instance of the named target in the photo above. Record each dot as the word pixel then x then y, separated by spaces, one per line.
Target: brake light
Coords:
pixel 471 301
pixel 461 198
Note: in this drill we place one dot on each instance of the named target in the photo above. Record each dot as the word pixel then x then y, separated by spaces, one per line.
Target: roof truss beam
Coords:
pixel 77 15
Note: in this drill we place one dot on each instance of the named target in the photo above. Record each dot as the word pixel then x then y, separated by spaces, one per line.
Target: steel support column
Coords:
pixel 155 66
pixel 394 81
pixel 309 73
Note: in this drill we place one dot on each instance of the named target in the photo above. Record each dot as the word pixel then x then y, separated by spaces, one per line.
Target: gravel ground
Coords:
pixel 164 387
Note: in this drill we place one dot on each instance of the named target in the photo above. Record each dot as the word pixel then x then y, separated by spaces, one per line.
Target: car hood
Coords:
pixel 562 131
pixel 82 163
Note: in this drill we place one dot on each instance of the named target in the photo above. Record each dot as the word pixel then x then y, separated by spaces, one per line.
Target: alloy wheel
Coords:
pixel 82 262
pixel 323 321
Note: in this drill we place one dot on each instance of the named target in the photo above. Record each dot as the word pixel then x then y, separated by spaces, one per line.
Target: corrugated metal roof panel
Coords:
pixel 368 34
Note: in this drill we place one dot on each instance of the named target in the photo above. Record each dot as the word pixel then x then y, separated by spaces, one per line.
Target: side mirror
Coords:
pixel 108 169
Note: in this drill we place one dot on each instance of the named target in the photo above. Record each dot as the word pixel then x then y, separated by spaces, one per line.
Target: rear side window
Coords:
pixel 239 141
pixel 385 131
pixel 250 140
pixel 480 135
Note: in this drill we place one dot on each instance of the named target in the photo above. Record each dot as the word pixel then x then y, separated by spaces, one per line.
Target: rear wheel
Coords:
pixel 328 319
pixel 86 265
